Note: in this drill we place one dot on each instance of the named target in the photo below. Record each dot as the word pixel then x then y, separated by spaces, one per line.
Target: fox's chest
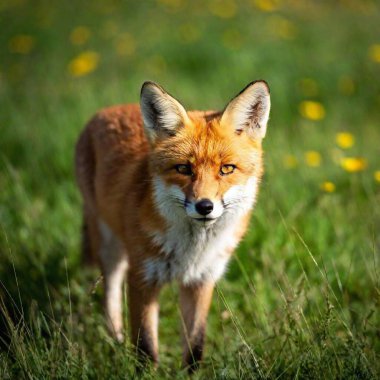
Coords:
pixel 191 255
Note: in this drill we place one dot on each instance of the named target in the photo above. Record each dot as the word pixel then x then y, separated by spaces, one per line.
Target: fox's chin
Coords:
pixel 204 221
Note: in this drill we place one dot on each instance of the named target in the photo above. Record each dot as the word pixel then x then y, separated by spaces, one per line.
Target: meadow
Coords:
pixel 301 297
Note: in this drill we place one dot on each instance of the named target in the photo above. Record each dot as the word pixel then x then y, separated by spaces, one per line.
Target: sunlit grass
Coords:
pixel 300 299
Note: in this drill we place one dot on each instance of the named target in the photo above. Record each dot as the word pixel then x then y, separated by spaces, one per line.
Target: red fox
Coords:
pixel 167 195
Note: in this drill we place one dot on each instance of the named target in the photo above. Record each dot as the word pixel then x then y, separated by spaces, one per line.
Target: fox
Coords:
pixel 167 196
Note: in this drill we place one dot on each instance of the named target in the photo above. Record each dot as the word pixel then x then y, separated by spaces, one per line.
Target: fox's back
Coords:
pixel 114 133
pixel 111 159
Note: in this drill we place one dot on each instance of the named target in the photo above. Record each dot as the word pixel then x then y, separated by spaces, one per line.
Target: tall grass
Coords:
pixel 301 297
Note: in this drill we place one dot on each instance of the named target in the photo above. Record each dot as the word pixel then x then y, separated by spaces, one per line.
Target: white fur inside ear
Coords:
pixel 249 111
pixel 162 114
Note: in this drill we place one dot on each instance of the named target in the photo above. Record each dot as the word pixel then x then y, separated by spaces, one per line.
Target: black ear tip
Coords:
pixel 260 82
pixel 256 82
pixel 265 83
pixel 150 84
pixel 147 84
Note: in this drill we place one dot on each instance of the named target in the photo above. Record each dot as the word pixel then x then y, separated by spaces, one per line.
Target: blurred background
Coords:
pixel 302 296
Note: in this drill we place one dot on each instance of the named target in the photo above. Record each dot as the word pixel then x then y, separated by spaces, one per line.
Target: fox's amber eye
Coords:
pixel 227 169
pixel 183 169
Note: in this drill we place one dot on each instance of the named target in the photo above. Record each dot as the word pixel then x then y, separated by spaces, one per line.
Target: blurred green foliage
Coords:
pixel 301 299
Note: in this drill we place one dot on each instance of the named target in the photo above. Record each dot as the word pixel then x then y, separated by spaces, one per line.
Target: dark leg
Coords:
pixel 143 311
pixel 195 303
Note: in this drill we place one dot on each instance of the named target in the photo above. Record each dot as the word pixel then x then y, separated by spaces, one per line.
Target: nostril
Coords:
pixel 204 206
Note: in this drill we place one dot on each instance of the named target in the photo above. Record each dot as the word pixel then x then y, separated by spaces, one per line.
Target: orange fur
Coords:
pixel 122 173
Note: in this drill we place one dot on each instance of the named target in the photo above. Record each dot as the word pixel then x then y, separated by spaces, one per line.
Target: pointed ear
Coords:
pixel 162 114
pixel 249 110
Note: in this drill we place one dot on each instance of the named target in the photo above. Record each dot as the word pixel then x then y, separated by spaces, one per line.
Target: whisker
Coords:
pixel 233 202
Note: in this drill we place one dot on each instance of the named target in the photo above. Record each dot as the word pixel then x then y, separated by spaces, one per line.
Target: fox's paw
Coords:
pixel 119 337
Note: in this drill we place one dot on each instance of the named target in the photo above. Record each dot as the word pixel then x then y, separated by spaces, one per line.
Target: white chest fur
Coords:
pixel 190 251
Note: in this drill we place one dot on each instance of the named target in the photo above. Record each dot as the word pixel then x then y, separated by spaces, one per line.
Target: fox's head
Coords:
pixel 205 164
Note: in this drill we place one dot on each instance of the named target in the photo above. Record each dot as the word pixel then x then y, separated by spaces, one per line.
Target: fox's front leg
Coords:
pixel 143 311
pixel 195 303
pixel 114 264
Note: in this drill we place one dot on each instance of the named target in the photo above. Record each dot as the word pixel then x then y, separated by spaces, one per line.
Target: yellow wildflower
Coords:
pixel 328 187
pixel 21 44
pixel 353 164
pixel 312 110
pixel 374 53
pixel 376 175
pixel 313 158
pixel 83 64
pixel 223 8
pixel 80 35
pixel 266 5
pixel 290 161
pixel 345 140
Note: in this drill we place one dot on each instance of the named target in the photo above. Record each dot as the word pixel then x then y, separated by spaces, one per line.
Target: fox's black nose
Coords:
pixel 204 206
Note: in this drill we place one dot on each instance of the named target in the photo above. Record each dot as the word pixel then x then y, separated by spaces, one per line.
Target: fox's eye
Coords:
pixel 227 169
pixel 183 169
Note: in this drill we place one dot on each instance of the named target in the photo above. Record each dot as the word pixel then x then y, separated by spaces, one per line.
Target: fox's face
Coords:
pixel 205 167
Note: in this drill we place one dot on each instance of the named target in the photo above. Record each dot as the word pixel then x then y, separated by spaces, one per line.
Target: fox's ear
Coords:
pixel 249 110
pixel 162 114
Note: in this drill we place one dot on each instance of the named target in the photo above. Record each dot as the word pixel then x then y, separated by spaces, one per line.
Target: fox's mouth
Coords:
pixel 205 220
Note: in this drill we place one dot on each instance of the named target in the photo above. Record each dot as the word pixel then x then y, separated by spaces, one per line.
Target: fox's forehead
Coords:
pixel 205 142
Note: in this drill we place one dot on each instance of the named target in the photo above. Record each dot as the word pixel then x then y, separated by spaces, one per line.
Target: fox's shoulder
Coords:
pixel 116 127
pixel 121 120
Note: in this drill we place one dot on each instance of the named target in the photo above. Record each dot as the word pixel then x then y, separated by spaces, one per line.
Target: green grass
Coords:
pixel 301 297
